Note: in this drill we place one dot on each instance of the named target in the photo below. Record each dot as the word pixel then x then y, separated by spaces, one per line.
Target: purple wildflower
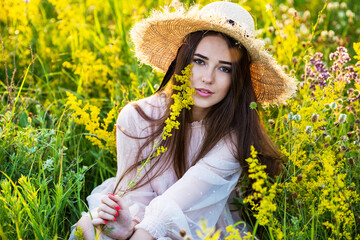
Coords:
pixel 349 108
pixel 341 57
pixel 316 71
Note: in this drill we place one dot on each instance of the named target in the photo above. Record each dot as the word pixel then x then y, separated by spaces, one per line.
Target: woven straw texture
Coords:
pixel 158 38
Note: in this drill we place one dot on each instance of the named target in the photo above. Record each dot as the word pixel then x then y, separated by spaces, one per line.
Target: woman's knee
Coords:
pixel 86 226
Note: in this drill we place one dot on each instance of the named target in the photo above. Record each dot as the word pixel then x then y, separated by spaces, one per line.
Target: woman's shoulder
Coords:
pixel 156 102
pixel 225 149
pixel 153 106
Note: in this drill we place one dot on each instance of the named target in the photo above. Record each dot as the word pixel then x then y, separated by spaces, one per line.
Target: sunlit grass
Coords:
pixel 49 161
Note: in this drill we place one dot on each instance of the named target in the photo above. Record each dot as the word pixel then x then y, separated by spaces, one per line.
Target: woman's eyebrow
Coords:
pixel 206 58
pixel 202 56
pixel 225 62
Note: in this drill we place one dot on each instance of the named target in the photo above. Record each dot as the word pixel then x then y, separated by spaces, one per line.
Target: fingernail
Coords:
pixel 117 208
pixel 111 194
pixel 115 219
pixel 105 221
pixel 117 214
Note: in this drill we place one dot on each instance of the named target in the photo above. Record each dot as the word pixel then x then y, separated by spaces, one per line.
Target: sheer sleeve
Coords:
pixel 130 133
pixel 200 194
pixel 131 129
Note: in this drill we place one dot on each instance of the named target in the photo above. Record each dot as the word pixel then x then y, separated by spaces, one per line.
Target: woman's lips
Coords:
pixel 204 92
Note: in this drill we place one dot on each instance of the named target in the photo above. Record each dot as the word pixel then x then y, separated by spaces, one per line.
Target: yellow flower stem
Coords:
pixel 143 164
pixel 284 228
pixel 271 234
pixel 256 226
pixel 312 221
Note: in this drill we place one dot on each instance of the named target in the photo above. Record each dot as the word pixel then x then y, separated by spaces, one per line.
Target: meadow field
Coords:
pixel 67 68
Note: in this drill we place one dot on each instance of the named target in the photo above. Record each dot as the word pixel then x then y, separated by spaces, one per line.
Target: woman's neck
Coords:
pixel 198 114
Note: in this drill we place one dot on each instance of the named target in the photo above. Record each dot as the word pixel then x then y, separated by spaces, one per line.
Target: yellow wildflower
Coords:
pixel 182 99
pixel 267 205
pixel 88 116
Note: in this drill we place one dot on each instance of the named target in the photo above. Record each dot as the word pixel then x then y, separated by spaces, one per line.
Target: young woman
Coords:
pixel 194 179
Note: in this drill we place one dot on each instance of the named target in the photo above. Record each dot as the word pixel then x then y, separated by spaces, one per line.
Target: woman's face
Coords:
pixel 211 77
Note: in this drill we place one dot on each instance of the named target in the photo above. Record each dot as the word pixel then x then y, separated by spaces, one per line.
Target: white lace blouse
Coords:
pixel 167 205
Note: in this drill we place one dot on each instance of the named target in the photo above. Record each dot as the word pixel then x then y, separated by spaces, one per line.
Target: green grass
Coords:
pixel 48 166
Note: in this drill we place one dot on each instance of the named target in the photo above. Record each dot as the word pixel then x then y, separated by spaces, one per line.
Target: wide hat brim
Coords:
pixel 158 38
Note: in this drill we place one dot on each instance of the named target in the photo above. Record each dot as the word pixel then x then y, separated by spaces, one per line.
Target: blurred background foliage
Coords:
pixel 67 67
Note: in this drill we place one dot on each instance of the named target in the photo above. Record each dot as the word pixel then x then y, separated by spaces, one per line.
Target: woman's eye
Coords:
pixel 198 61
pixel 225 69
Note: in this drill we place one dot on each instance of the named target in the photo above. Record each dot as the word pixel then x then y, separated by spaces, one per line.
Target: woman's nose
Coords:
pixel 208 76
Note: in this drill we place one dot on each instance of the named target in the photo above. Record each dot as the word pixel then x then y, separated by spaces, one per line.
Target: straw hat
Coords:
pixel 158 38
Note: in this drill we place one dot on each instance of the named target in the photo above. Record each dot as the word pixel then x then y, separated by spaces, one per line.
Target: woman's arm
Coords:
pixel 141 234
pixel 130 126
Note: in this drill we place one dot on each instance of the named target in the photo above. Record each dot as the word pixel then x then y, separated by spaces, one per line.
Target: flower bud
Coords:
pixel 308 130
pixel 271 29
pixel 295 60
pixel 290 116
pixel 297 117
pixel 350 90
pixel 349 108
pixel 315 117
pixel 299 177
pixel 327 138
pixel 349 14
pixel 292 12
pixel 253 105
pixel 271 121
pixel 306 14
pixel 331 34
pixel 342 118
pixel 333 105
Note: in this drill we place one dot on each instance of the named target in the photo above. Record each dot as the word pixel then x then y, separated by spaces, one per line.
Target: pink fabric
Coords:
pixel 166 205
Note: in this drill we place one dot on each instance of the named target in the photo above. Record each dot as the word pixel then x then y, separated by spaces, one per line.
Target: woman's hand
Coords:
pixel 114 214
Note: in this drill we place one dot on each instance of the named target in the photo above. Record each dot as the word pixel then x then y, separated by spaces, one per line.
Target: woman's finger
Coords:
pixel 110 202
pixel 98 221
pixel 119 201
pixel 106 216
pixel 105 208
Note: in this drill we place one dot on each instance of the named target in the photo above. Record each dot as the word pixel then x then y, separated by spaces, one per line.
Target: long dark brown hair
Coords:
pixel 231 115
